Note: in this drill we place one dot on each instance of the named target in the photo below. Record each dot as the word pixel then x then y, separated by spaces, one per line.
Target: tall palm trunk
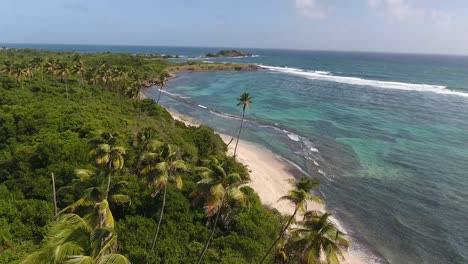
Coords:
pixel 160 218
pixel 109 174
pixel 66 86
pixel 280 235
pixel 212 231
pixel 160 91
pixel 54 195
pixel 240 130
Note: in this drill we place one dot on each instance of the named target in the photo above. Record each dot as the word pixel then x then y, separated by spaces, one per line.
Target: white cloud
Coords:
pixel 400 10
pixel 310 9
pixel 406 11
pixel 442 20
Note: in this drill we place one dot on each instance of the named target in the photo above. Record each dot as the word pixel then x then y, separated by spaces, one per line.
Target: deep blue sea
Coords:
pixel 387 134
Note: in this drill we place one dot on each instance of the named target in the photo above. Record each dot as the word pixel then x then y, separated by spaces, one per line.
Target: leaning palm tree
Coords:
pixel 317 240
pixel 161 82
pixel 161 167
pixel 92 186
pixel 88 239
pixel 245 100
pixel 107 154
pixel 64 73
pixel 220 187
pixel 299 196
pixel 74 239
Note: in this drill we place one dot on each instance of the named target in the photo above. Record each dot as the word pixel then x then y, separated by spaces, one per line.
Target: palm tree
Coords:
pixel 161 82
pixel 78 67
pixel 19 73
pixel 93 187
pixel 317 239
pixel 51 66
pixel 108 155
pixel 38 65
pixel 245 100
pixel 64 73
pixel 7 68
pixel 105 75
pixel 75 239
pixel 161 167
pixel 299 196
pixel 142 141
pixel 88 239
pixel 134 89
pixel 219 186
pixel 28 71
pixel 92 75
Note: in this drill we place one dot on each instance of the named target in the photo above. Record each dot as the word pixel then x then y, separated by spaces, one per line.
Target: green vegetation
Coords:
pixel 113 155
pixel 201 66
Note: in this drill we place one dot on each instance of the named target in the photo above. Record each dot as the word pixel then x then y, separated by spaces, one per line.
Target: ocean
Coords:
pixel 387 135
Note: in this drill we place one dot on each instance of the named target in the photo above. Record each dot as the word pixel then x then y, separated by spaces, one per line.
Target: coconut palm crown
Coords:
pixel 245 101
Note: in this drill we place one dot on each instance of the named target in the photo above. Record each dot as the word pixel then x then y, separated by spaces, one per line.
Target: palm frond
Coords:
pixel 159 183
pixel 212 205
pixel 179 182
pixel 179 165
pixel 84 174
pixel 217 191
pixel 105 215
pixel 114 259
pixel 119 198
pixel 237 195
pixel 62 251
pixel 79 260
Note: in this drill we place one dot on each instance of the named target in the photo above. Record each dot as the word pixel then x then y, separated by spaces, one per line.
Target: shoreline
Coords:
pixel 269 176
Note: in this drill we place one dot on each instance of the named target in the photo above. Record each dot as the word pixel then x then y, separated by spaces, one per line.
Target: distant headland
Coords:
pixel 228 54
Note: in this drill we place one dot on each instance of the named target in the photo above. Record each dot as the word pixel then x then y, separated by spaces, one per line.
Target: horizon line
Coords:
pixel 252 48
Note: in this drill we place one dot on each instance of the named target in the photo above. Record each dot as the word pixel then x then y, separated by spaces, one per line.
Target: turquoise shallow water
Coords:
pixel 387 134
pixel 393 161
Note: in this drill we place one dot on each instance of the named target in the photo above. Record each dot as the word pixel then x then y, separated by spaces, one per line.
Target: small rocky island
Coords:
pixel 228 54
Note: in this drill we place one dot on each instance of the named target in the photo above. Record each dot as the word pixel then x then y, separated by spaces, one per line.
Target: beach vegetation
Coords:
pixel 299 196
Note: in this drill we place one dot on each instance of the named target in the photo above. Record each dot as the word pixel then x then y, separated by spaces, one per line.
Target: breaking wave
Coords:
pixel 328 76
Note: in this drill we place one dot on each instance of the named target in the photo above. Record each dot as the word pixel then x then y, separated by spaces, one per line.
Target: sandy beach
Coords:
pixel 269 176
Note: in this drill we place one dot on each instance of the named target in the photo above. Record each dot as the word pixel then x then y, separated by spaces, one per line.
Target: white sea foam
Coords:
pixel 174 94
pixel 294 165
pixel 202 106
pixel 314 149
pixel 316 163
pixel 327 76
pixel 294 137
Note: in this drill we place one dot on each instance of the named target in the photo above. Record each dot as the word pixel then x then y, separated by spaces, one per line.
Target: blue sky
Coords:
pixel 428 26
